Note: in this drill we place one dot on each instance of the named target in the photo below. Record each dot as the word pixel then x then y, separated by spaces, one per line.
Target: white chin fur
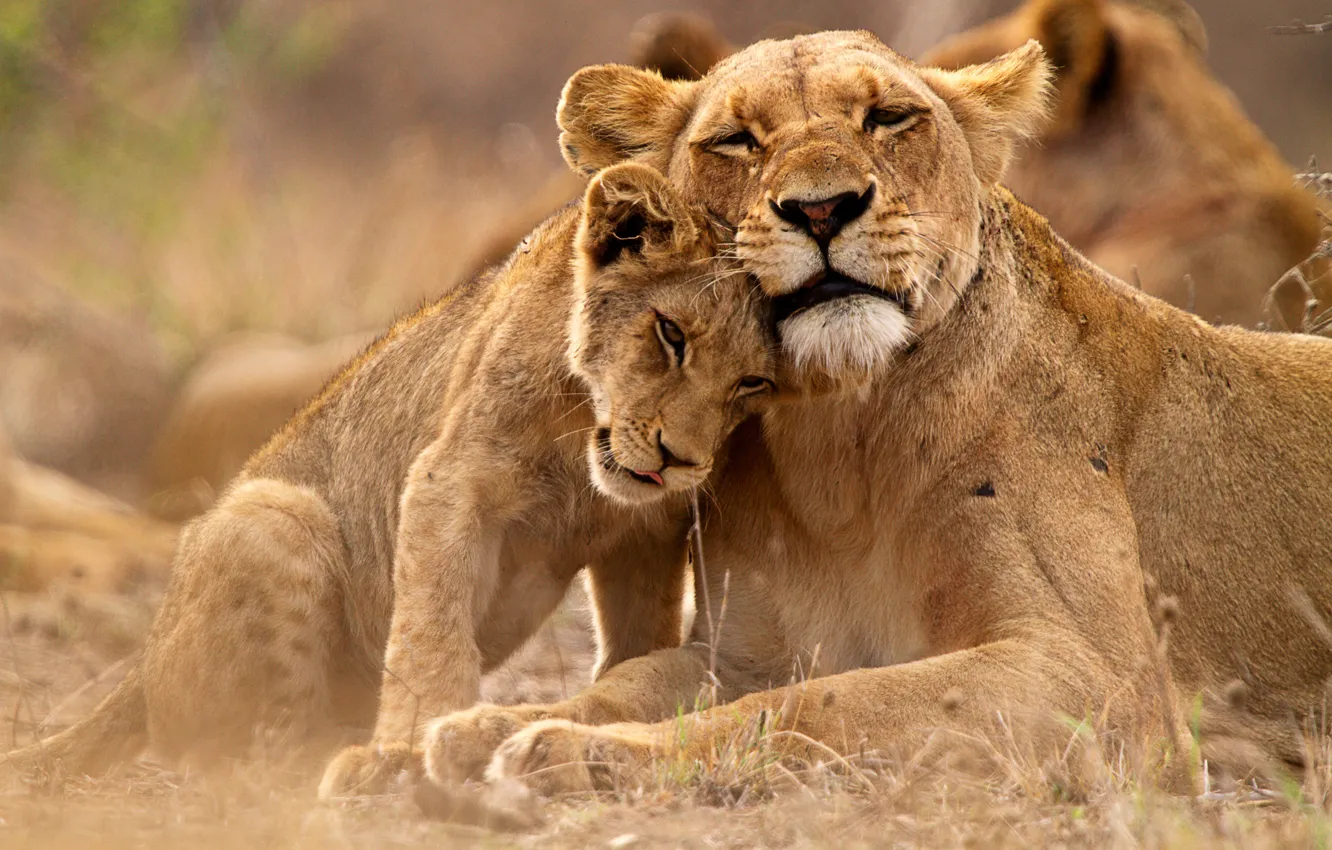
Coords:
pixel 855 334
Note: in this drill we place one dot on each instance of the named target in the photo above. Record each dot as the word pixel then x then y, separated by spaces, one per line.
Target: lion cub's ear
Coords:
pixel 997 104
pixel 612 113
pixel 632 209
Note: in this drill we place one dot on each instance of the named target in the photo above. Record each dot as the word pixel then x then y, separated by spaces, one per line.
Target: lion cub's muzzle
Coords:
pixel 640 479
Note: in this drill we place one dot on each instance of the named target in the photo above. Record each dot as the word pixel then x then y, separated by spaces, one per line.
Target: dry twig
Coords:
pixel 701 582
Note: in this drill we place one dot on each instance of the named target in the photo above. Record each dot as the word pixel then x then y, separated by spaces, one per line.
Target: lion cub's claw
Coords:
pixel 367 769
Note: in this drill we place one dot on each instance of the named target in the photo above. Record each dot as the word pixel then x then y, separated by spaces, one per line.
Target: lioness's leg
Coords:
pixel 928 704
pixel 645 689
pixel 446 567
pixel 251 617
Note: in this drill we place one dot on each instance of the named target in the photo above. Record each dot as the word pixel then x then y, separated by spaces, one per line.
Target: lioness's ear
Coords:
pixel 630 208
pixel 612 113
pixel 997 104
pixel 678 45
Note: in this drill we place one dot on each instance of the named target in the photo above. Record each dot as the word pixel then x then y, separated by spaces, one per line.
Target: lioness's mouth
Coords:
pixel 829 286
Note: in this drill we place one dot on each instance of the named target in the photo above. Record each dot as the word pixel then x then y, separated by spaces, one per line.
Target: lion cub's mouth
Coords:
pixel 610 464
pixel 828 286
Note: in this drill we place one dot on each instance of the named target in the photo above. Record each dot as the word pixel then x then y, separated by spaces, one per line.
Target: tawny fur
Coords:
pixel 233 400
pixel 1149 165
pixel 59 535
pixel 415 524
pixel 975 536
pixel 81 391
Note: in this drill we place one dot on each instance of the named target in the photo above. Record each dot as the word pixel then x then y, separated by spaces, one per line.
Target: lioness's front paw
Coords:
pixel 557 756
pixel 368 769
pixel 458 746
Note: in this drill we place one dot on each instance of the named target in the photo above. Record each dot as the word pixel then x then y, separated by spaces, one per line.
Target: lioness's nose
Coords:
pixel 824 219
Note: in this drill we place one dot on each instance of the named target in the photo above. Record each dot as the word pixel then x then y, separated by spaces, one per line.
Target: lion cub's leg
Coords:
pixel 239 655
pixel 637 590
pixel 446 567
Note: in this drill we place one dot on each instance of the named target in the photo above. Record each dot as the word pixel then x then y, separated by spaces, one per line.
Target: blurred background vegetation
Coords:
pixel 318 166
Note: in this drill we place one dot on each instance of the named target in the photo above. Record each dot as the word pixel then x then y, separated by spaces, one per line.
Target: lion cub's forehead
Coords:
pixel 777 82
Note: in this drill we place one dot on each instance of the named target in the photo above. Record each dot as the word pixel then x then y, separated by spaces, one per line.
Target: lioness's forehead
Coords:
pixel 802 74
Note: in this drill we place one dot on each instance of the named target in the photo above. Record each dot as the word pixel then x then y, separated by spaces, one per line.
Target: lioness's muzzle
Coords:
pixel 828 288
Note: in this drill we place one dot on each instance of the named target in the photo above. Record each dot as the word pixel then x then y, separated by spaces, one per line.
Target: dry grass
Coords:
pixel 743 795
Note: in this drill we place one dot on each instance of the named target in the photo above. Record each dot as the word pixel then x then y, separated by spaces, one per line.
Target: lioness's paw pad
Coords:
pixel 368 769
pixel 460 745
pixel 551 757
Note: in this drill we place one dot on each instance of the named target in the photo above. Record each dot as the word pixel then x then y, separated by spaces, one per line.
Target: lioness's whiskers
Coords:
pixel 931 213
pixel 947 247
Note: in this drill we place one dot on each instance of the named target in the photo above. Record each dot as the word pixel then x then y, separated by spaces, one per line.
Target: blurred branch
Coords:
pixel 1301 28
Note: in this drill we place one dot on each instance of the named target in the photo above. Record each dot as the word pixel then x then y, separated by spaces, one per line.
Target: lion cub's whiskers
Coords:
pixel 573 409
pixel 586 430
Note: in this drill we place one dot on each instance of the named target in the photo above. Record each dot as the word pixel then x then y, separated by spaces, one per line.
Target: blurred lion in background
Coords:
pixel 1150 166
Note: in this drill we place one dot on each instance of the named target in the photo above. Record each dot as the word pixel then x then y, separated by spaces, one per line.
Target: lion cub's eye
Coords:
pixel 894 118
pixel 672 339
pixel 739 142
pixel 752 384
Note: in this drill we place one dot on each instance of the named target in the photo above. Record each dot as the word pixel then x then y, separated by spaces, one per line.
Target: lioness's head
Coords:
pixel 854 176
pixel 671 338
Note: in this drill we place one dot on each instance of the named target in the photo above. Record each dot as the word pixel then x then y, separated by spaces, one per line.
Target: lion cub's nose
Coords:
pixel 824 219
pixel 669 458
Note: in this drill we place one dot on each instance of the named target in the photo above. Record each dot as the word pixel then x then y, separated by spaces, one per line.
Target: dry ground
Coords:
pixel 57 657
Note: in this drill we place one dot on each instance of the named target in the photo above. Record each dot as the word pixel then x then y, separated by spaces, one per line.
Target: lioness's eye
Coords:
pixel 890 117
pixel 741 140
pixel 672 339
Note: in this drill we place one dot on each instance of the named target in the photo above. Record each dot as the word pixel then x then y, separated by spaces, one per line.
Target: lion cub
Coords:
pixel 416 523
pixel 671 347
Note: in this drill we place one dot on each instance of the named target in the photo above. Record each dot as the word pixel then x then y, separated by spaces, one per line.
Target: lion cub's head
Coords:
pixel 856 178
pixel 671 338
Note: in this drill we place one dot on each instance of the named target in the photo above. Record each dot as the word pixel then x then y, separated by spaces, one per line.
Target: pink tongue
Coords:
pixel 651 475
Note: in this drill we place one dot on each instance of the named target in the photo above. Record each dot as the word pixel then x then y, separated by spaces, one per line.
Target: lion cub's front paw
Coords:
pixel 557 756
pixel 368 769
pixel 458 746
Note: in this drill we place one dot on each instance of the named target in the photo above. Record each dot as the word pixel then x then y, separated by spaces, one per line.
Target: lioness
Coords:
pixel 1149 165
pixel 966 536
pixel 429 509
